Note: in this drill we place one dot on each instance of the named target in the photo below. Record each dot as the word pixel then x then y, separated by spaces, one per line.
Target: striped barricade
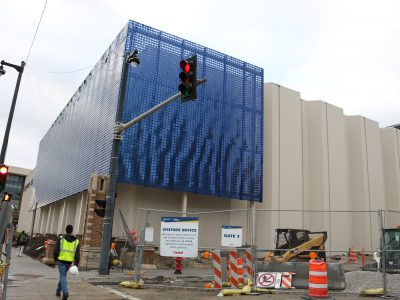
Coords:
pixel 217 268
pixel 233 268
pixel 249 264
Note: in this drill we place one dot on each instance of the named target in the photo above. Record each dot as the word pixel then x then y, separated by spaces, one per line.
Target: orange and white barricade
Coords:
pixel 249 264
pixel 286 281
pixel 240 270
pixel 216 254
pixel 233 268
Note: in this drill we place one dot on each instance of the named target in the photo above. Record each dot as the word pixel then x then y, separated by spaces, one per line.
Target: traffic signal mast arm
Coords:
pixel 120 127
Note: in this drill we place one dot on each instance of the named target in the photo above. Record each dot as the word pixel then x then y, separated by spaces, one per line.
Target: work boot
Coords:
pixel 65 297
pixel 58 294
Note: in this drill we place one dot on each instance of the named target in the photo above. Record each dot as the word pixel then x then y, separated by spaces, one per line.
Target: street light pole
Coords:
pixel 110 198
pixel 20 70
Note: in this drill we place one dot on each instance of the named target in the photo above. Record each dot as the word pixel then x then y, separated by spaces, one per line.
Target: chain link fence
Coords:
pixel 362 246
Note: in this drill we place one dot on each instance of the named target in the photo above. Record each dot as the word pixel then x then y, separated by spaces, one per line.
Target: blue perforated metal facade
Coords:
pixel 210 146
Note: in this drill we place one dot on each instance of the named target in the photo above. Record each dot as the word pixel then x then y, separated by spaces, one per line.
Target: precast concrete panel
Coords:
pixel 359 183
pixel 338 233
pixel 315 165
pixel 268 221
pixel 241 218
pixel 290 159
pixel 375 176
pixel 391 164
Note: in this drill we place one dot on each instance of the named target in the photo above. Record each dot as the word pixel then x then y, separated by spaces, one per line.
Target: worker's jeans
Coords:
pixel 62 284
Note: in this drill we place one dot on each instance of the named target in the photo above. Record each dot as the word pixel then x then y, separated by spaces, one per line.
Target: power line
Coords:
pixel 59 72
pixel 37 29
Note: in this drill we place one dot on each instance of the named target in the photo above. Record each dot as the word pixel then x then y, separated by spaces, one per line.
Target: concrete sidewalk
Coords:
pixel 33 280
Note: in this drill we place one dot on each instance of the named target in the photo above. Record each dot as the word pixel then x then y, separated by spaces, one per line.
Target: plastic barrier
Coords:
pixel 217 269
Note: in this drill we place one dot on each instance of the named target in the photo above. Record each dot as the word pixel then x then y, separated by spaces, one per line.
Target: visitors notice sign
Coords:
pixel 179 236
pixel 231 236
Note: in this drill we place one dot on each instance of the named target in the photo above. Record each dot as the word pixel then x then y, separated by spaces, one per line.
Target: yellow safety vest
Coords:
pixel 67 250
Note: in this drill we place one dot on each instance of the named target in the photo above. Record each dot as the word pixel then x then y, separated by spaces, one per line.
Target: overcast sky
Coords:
pixel 340 51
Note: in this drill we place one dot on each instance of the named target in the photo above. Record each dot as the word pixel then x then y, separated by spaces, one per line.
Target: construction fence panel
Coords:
pixel 353 243
pixel 390 256
pixel 211 225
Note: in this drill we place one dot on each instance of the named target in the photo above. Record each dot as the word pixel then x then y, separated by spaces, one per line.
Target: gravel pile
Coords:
pixel 360 280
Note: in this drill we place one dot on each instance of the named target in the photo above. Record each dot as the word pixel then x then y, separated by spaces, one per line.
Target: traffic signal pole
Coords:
pixel 155 108
pixel 110 198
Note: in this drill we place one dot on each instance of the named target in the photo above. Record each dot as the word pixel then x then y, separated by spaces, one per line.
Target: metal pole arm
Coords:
pixel 122 127
pixel 18 68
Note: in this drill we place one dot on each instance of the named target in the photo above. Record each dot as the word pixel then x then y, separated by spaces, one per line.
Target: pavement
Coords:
pixel 33 280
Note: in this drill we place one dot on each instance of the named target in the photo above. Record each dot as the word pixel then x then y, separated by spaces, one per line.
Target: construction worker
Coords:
pixel 66 253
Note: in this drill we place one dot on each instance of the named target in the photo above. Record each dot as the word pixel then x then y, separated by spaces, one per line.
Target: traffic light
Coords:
pixel 188 76
pixel 6 197
pixel 3 176
pixel 100 208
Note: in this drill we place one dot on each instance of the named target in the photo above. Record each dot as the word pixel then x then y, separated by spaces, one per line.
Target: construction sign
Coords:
pixel 179 236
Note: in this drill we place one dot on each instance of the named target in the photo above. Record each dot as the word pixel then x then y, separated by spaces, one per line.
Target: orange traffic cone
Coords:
pixel 352 256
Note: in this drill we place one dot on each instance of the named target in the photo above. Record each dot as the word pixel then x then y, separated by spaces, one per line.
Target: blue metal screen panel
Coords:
pixel 211 146
pixel 79 141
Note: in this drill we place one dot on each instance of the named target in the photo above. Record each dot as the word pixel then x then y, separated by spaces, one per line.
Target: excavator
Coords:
pixel 297 244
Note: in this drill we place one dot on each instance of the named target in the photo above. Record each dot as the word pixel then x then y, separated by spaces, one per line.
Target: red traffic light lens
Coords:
pixel 3 170
pixel 185 66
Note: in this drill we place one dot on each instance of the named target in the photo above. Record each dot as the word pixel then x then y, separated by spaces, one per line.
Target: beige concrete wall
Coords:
pixel 316 165
pixel 283 165
pixel 391 163
pixel 366 180
pixel 338 173
pixel 325 172
pixel 27 203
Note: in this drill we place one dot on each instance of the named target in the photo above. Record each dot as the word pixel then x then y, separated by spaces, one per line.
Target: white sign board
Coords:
pixel 231 236
pixel 179 237
pixel 149 234
pixel 266 280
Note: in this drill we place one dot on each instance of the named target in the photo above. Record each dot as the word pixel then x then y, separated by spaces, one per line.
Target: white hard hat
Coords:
pixel 73 270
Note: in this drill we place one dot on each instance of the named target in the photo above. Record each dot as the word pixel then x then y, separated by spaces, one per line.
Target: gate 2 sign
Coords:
pixel 231 236
pixel 179 236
